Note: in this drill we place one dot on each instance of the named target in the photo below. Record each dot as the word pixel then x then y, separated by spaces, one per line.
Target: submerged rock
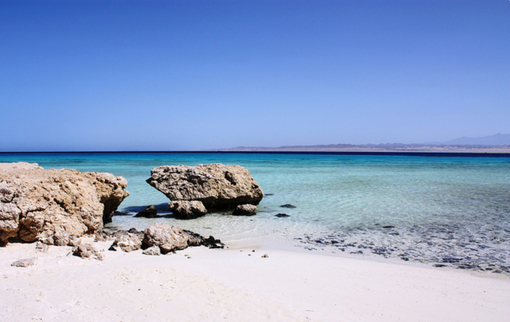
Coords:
pixel 217 186
pixel 55 205
pixel 288 205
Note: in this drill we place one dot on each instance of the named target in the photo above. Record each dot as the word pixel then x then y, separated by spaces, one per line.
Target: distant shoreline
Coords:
pixel 401 150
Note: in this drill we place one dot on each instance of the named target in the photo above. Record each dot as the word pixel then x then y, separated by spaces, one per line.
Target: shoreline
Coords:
pixel 408 150
pixel 214 284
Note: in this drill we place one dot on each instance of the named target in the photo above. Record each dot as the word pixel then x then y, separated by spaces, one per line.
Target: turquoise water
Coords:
pixel 446 211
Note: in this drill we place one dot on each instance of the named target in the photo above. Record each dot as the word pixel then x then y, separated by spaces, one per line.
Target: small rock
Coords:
pixel 127 241
pixel 168 238
pixel 282 215
pixel 149 212
pixel 41 247
pixel 153 251
pixel 288 205
pixel 87 251
pixel 211 242
pixel 245 210
pixel 265 256
pixel 187 209
pixel 25 262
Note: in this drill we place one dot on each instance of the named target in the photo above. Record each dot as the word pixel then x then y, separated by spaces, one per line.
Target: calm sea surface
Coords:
pixel 446 211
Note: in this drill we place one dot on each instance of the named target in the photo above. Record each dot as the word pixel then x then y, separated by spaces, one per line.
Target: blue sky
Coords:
pixel 196 75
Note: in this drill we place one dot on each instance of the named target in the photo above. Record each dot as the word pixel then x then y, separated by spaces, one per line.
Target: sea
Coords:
pixel 443 210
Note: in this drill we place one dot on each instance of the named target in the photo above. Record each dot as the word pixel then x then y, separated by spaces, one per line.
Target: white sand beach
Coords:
pixel 200 284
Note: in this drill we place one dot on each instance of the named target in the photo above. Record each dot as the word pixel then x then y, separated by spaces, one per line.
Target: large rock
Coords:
pixel 55 205
pixel 217 186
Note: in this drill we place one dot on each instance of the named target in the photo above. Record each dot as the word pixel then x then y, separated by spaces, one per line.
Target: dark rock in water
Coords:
pixel 388 227
pixel 187 209
pixel 268 194
pixel 288 205
pixel 121 213
pixel 282 215
pixel 245 210
pixel 149 212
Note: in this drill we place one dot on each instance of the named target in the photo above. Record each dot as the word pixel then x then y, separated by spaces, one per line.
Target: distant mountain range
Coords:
pixel 492 140
pixel 498 143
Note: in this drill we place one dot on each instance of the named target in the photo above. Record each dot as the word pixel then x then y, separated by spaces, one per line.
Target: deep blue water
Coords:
pixel 443 210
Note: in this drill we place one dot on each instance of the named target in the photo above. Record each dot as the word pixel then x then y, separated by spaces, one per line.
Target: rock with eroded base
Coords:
pixel 217 186
pixel 55 206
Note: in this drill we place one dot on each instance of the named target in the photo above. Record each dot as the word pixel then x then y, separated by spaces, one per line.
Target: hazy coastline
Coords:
pixel 401 148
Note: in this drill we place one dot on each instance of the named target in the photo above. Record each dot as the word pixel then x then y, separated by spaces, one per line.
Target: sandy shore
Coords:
pixel 199 284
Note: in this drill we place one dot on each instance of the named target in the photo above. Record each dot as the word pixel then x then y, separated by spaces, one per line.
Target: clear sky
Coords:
pixel 194 75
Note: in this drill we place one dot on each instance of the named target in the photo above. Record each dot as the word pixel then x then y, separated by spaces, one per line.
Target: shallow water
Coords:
pixel 446 211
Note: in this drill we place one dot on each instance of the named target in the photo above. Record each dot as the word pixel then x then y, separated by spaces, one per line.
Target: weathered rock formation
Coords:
pixel 55 205
pixel 217 186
